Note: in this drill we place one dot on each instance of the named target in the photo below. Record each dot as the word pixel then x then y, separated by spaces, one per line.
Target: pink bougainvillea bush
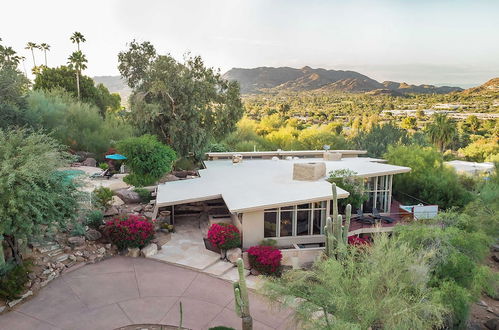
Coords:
pixel 358 241
pixel 130 231
pixel 224 236
pixel 265 259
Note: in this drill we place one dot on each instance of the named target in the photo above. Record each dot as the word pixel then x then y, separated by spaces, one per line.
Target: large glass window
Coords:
pixel 270 223
pixel 303 217
pixel 378 190
pixel 298 220
pixel 319 218
pixel 287 218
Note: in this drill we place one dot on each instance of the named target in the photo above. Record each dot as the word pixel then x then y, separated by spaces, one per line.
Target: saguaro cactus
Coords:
pixel 336 233
pixel 242 299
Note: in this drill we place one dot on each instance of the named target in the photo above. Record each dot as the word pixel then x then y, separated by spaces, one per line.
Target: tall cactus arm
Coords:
pixel 335 201
pixel 237 299
pixel 346 228
pixel 337 232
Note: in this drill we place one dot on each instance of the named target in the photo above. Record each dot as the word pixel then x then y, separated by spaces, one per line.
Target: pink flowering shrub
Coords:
pixel 224 236
pixel 265 259
pixel 130 231
pixel 357 241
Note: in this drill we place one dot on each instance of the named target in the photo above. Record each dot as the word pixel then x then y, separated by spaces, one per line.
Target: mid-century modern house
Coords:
pixel 281 195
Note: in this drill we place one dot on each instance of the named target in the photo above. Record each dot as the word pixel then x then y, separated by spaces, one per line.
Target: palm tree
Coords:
pixel 45 47
pixel 441 131
pixel 9 55
pixel 77 61
pixel 77 37
pixel 31 45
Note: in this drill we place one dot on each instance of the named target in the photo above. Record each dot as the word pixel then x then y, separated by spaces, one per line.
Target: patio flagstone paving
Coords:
pixel 122 291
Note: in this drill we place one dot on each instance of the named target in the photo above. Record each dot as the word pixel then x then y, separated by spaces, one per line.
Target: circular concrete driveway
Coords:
pixel 121 291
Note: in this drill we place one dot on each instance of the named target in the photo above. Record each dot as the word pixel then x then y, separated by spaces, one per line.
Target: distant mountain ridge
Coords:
pixel 490 87
pixel 268 79
pixel 115 84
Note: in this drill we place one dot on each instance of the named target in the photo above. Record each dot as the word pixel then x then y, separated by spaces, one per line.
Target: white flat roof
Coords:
pixel 257 184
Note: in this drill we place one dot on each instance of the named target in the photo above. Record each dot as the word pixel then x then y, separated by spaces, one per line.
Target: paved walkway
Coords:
pixel 186 248
pixel 121 291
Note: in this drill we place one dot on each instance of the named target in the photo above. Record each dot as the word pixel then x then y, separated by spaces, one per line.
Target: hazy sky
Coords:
pixel 417 41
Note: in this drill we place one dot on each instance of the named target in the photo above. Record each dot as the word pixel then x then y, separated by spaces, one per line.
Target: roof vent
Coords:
pixel 309 171
pixel 332 156
pixel 237 158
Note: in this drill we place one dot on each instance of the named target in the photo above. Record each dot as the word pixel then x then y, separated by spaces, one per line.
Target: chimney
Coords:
pixel 332 156
pixel 309 171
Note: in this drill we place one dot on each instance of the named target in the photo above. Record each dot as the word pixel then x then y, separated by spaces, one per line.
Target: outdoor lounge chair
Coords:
pixel 360 217
pixel 384 218
pixel 104 174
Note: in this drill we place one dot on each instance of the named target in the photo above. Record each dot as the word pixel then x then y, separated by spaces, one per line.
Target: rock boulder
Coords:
pixel 93 235
pixel 233 254
pixel 128 196
pixel 76 241
pixel 90 162
pixel 149 250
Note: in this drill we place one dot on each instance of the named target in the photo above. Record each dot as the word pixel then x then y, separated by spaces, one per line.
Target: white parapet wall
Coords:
pixel 306 256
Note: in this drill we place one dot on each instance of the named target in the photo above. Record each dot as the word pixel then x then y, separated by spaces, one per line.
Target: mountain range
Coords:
pixel 269 79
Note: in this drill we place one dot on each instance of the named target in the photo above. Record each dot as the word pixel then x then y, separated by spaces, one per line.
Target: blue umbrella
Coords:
pixel 116 157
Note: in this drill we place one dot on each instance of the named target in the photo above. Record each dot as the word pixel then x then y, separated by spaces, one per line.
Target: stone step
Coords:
pixel 60 257
pixel 233 275
pixel 219 268
pixel 54 252
pixel 48 248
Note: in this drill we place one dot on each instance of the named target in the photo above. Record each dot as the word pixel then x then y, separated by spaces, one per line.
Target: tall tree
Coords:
pixel 184 104
pixel 13 89
pixel 65 78
pixel 45 47
pixel 77 61
pixel 77 38
pixel 32 46
pixel 441 131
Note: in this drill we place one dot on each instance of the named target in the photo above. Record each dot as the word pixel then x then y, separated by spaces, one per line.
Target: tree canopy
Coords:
pixel 185 104
pixel 148 159
pixel 64 78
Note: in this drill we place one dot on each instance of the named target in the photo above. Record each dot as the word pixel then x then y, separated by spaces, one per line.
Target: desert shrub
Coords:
pixel 268 242
pixel 76 124
pixel 217 147
pixel 456 274
pixel 148 159
pixel 13 279
pixel 78 229
pixel 429 179
pixel 145 195
pixel 185 164
pixel 101 197
pixel 457 300
pixel 382 286
pixel 265 259
pixel 94 219
pixel 346 180
pixel 130 231
pixel 35 196
pixel 224 236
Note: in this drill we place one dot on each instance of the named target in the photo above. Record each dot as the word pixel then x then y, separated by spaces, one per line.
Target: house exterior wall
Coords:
pixel 252 225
